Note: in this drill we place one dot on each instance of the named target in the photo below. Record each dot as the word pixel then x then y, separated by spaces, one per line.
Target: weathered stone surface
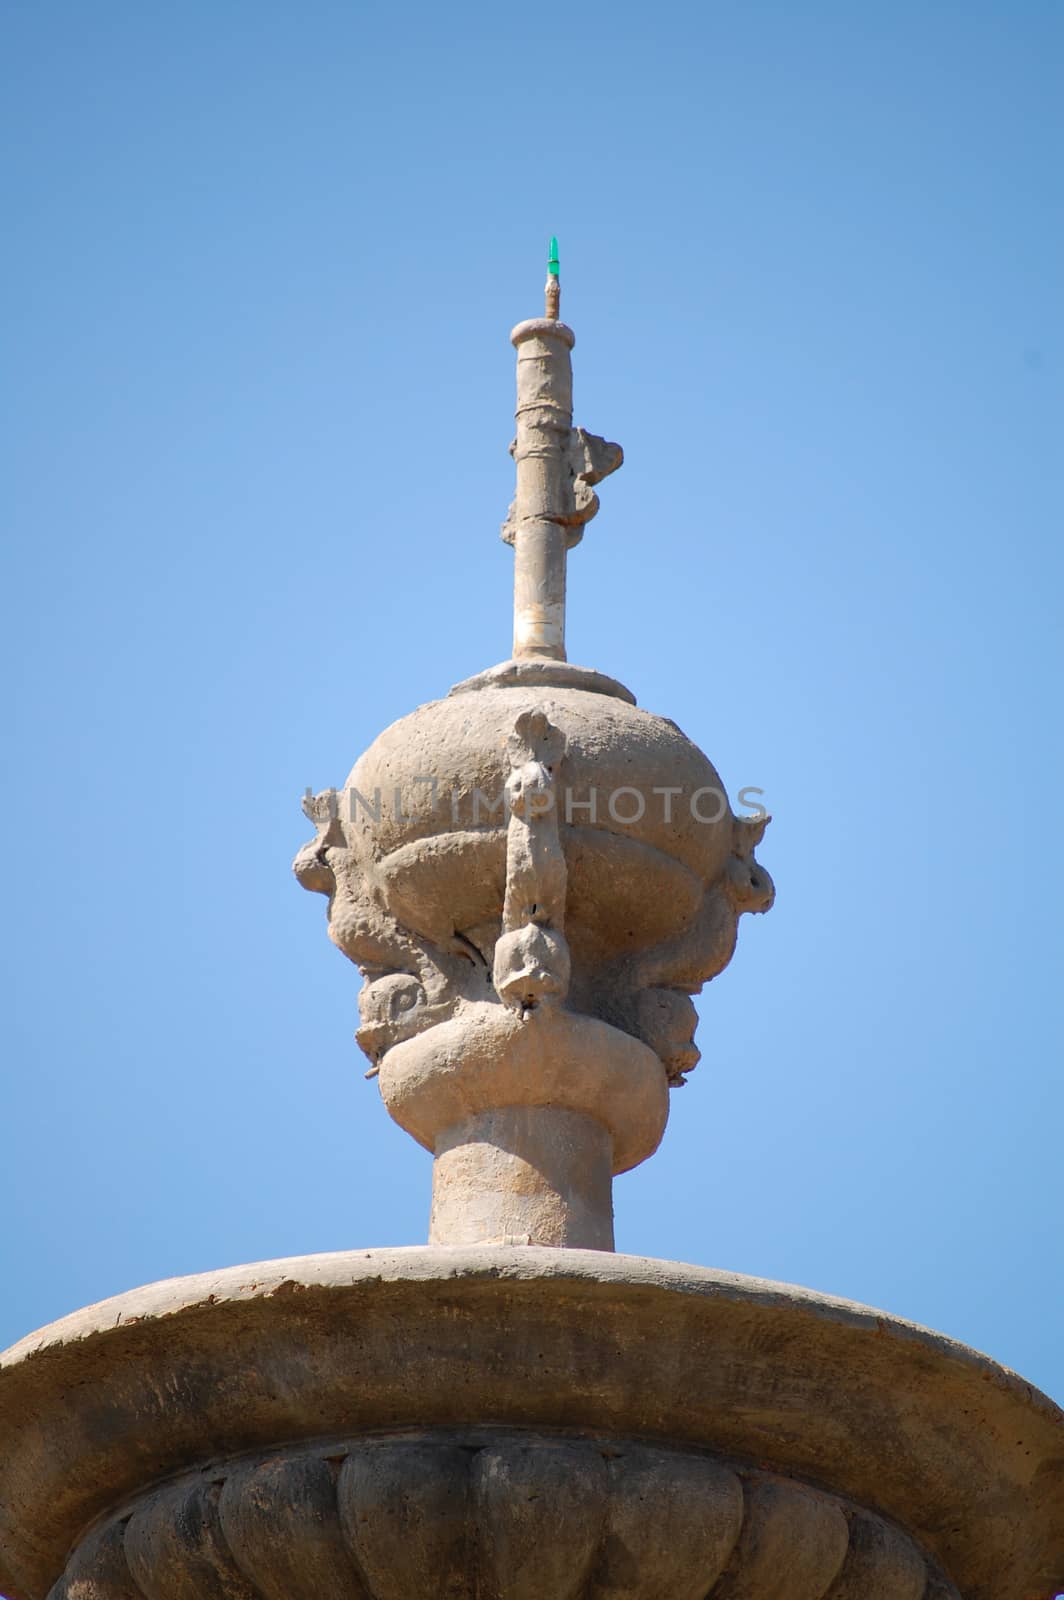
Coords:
pixel 901 1423
pixel 279 1519
pixel 524 1173
pixel 98 1569
pixel 541 1506
pixel 176 1550
pixel 881 1564
pixel 671 1524
pixel 406 1514
pixel 792 1545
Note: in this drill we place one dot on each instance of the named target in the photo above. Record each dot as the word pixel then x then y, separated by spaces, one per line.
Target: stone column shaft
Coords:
pixel 544 505
pixel 539 591
pixel 523 1175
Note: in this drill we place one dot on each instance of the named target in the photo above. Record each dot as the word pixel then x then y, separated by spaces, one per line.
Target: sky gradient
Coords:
pixel 262 265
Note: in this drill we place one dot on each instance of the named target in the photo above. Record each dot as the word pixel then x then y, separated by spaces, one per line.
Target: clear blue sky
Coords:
pixel 262 261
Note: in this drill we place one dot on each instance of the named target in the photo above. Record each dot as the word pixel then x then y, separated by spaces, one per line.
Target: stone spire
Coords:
pixel 557 466
pixel 534 876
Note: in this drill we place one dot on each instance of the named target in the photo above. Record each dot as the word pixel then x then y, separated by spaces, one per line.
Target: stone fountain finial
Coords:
pixel 534 877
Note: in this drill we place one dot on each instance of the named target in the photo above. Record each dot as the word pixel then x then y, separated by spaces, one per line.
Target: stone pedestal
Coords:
pixel 517 1423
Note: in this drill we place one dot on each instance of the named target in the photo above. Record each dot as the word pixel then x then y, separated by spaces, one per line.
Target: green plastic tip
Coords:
pixel 552 264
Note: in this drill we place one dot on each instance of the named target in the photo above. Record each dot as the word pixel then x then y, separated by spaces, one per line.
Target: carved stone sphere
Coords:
pixel 645 823
pixel 653 872
pixel 618 761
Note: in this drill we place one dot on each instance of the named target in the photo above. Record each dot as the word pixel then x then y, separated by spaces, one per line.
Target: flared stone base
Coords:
pixel 524 1423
